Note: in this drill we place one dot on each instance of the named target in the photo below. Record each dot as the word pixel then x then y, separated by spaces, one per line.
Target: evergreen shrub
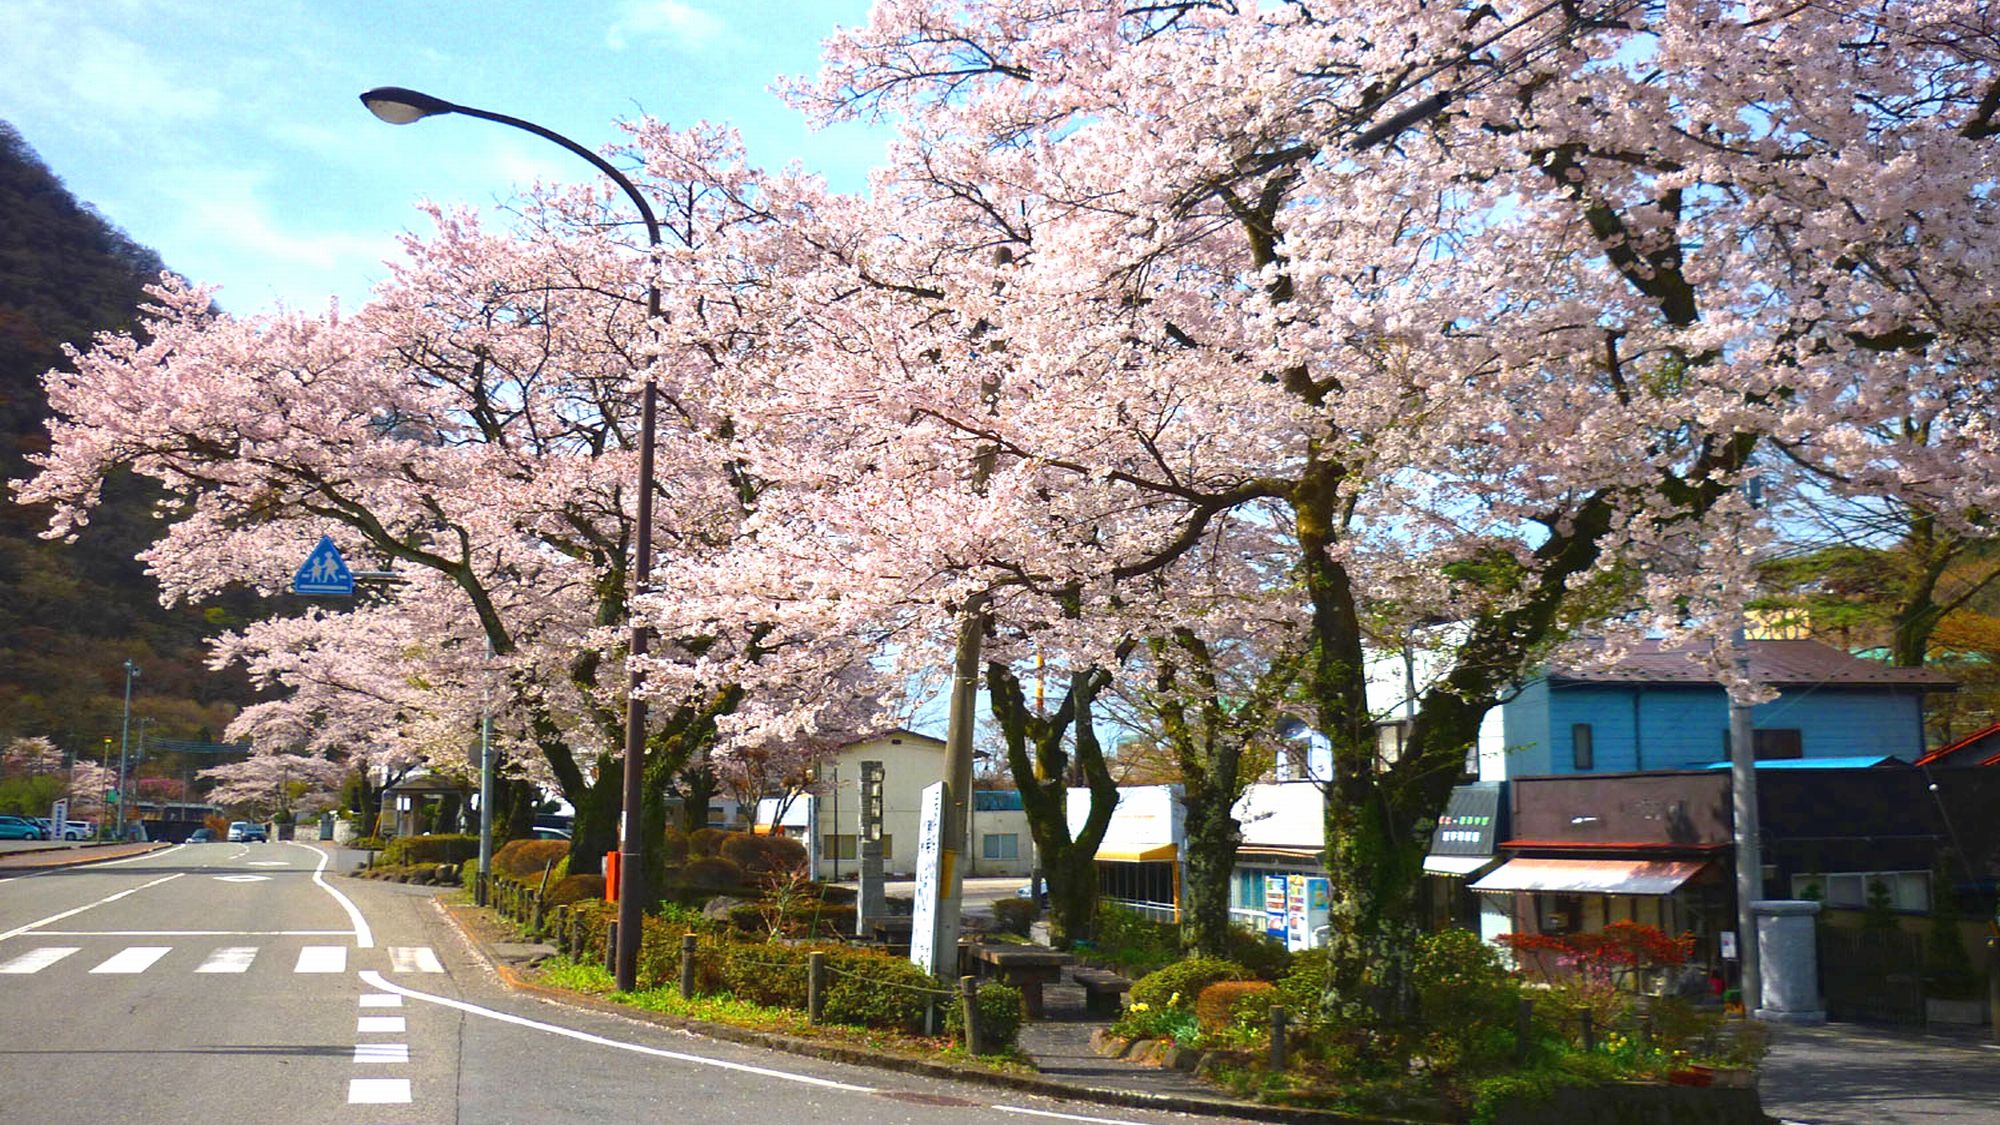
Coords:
pixel 1177 985
pixel 409 850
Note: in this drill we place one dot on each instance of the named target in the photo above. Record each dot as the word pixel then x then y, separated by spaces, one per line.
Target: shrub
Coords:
pixel 1178 984
pixel 763 856
pixel 405 850
pixel 1266 959
pixel 1132 941
pixel 575 888
pixel 1015 915
pixel 1001 1011
pixel 1459 980
pixel 525 859
pixel 1219 1005
pixel 877 990
pixel 360 843
pixel 674 849
pixel 712 873
pixel 1303 988
pixel 707 841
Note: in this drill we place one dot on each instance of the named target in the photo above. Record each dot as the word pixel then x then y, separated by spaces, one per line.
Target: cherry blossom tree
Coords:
pixel 1491 308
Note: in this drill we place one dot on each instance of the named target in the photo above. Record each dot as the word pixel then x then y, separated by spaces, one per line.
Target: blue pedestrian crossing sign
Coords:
pixel 324 572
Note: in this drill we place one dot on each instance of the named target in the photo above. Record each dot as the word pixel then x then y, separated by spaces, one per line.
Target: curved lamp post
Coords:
pixel 399 106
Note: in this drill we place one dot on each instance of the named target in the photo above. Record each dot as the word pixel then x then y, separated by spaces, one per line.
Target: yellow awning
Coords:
pixel 1154 854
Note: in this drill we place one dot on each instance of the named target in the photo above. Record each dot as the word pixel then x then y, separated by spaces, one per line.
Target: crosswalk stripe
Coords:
pixel 229 959
pixel 380 1000
pixel 34 961
pixel 378 1091
pixel 381 1052
pixel 136 959
pixel 371 1025
pixel 322 959
pixel 414 959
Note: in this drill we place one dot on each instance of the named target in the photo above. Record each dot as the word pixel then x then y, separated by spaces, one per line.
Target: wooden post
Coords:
pixel 611 946
pixel 1589 1030
pixel 542 895
pixel 968 998
pixel 815 986
pixel 1524 1028
pixel 687 966
pixel 1278 1021
pixel 1993 987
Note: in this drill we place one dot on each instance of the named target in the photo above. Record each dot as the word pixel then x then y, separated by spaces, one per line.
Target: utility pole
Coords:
pixel 124 739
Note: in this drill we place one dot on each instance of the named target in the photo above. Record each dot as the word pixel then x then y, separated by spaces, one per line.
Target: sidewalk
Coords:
pixel 1060 1046
pixel 1854 1073
pixel 70 855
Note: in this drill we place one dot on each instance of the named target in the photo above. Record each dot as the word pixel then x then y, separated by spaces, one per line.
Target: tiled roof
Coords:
pixel 1777 663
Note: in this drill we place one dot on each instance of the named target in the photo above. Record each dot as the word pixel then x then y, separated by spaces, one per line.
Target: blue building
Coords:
pixel 1658 710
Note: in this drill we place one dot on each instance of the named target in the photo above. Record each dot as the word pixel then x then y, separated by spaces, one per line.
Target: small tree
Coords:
pixel 1946 966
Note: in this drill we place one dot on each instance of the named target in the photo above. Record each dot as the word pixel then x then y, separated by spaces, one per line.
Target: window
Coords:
pixel 1583 752
pixel 838 847
pixel 1909 891
pixel 1771 745
pixel 1000 845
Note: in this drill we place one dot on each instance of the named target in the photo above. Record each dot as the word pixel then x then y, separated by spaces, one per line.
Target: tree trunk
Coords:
pixel 1041 772
pixel 596 829
pixel 1210 853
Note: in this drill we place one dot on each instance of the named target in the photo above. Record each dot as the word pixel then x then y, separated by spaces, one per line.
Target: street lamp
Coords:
pixel 399 106
pixel 124 738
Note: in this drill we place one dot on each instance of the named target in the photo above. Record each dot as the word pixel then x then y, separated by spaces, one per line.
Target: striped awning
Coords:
pixel 1592 876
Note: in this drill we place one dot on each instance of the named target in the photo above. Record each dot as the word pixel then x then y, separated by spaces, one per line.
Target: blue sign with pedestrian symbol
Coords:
pixel 324 572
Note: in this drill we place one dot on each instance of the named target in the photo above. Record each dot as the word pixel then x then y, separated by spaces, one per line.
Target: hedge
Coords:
pixel 765 855
pixel 707 841
pixel 575 888
pixel 712 873
pixel 1220 1003
pixel 405 851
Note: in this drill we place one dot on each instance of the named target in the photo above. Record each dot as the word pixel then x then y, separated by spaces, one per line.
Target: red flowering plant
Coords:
pixel 1621 953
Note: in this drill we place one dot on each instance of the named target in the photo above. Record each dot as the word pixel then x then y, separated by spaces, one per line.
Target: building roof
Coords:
pixel 1776 663
pixel 890 732
pixel 1986 739
pixel 1852 762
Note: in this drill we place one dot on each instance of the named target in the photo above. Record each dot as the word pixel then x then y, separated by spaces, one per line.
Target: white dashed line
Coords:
pixel 378 1091
pixel 229 959
pixel 136 959
pixel 381 1052
pixel 414 959
pixel 322 959
pixel 380 1000
pixel 378 1025
pixel 35 961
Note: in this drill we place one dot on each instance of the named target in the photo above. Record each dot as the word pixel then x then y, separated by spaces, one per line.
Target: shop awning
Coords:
pixel 1153 854
pixel 1592 876
pixel 1435 864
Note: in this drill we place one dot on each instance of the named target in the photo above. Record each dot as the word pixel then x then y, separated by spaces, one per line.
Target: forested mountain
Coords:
pixel 70 614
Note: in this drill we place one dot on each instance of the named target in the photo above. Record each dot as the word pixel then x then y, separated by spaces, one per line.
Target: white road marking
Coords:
pixel 376 980
pixel 1065 1116
pixel 376 1025
pixel 36 960
pixel 242 878
pixel 364 937
pixel 378 1091
pixel 229 959
pixel 136 959
pixel 270 863
pixel 380 1000
pixel 414 959
pixel 194 933
pixel 72 912
pixel 381 1052
pixel 322 959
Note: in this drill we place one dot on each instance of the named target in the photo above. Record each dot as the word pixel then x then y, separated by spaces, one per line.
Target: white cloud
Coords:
pixel 678 24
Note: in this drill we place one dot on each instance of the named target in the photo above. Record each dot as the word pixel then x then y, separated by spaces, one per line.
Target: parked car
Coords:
pixel 244 832
pixel 202 836
pixel 21 828
pixel 550 833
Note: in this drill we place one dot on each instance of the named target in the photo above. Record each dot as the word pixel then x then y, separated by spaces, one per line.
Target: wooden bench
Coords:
pixel 1101 990
pixel 1026 967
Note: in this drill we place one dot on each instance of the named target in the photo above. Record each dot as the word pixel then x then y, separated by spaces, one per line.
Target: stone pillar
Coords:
pixel 871 903
pixel 1788 945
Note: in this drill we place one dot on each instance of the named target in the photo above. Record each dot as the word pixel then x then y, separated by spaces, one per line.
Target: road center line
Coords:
pixel 194 933
pixel 375 980
pixel 35 925
pixel 364 938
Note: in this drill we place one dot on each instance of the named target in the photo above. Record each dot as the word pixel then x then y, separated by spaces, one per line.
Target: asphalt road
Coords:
pixel 230 982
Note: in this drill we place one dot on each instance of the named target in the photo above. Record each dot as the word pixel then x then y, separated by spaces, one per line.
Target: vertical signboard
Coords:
pixel 930 846
pixel 1274 904
pixel 59 819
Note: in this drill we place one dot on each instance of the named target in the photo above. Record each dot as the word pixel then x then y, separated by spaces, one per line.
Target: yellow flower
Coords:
pixel 1173 1000
pixel 1142 1006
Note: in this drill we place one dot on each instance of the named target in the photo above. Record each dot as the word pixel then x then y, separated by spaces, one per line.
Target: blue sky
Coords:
pixel 228 136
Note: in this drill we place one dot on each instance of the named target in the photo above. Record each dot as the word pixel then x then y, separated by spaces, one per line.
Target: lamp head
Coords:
pixel 399 106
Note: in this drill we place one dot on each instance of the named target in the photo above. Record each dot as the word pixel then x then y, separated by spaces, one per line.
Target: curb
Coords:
pixel 912 1064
